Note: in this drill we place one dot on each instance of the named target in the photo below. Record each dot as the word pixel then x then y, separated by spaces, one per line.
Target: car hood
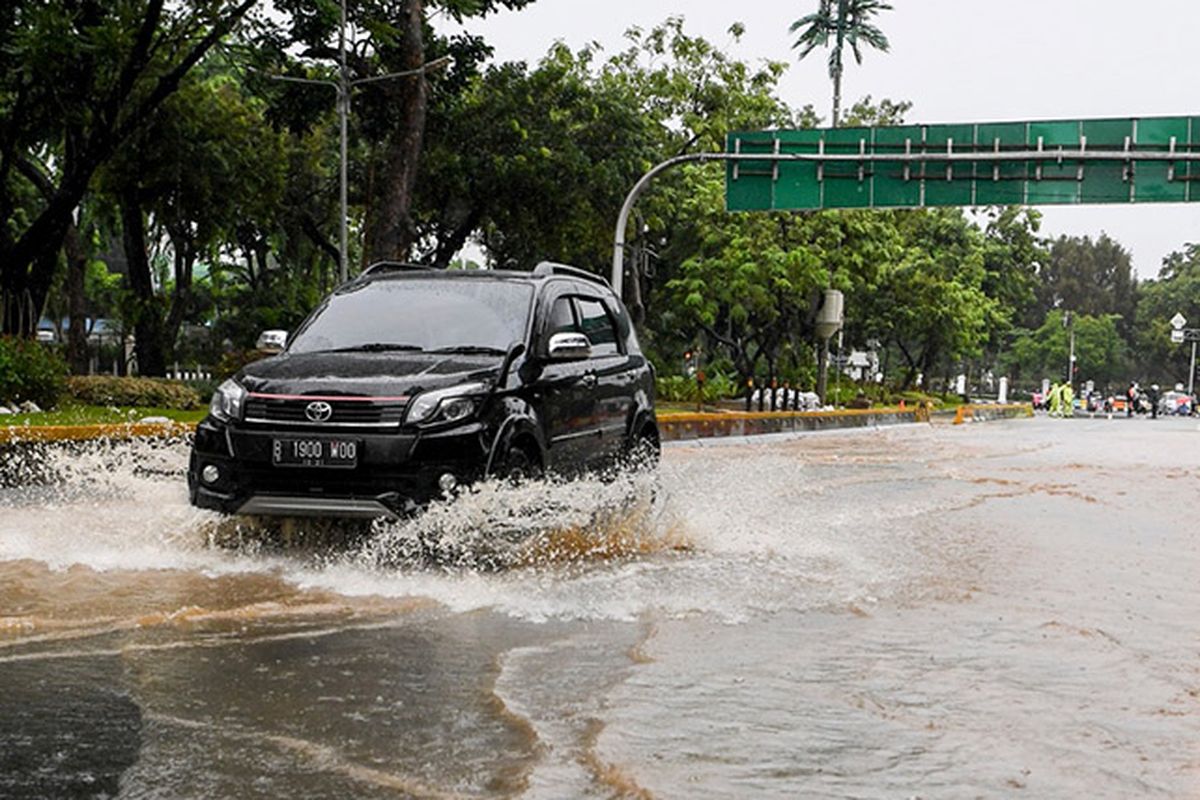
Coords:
pixel 364 374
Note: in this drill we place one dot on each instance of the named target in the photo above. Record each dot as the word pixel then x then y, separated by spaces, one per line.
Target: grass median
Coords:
pixel 79 414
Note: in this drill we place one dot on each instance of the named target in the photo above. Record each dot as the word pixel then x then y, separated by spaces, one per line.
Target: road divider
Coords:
pixel 988 412
pixel 678 426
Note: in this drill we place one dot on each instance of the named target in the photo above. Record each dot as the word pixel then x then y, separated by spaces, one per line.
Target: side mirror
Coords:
pixel 569 347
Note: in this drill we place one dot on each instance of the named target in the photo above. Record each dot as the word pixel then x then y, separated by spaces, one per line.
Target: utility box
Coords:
pixel 829 315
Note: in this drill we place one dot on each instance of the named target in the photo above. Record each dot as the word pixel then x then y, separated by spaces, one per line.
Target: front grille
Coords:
pixel 359 412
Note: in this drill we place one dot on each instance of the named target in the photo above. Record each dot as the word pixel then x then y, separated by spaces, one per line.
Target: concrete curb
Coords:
pixel 14 434
pixel 984 413
pixel 682 426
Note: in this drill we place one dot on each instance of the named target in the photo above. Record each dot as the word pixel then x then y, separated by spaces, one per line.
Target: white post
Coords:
pixel 1192 371
pixel 1003 398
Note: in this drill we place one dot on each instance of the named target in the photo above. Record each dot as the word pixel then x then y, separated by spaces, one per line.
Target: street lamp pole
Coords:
pixel 1069 321
pixel 343 86
pixel 343 104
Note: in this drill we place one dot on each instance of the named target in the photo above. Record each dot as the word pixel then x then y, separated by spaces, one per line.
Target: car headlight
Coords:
pixel 453 404
pixel 227 401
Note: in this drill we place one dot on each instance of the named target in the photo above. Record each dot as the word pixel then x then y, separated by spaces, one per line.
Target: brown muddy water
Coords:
pixel 1000 610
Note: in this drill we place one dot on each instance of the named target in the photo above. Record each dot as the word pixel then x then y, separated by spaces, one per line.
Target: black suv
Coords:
pixel 408 382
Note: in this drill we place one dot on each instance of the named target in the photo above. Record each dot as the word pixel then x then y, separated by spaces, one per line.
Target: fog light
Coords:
pixel 210 474
pixel 447 483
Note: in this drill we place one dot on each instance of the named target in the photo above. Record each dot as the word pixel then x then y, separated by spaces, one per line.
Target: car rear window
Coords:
pixel 430 314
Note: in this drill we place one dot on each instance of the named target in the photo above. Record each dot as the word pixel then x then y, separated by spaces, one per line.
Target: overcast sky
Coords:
pixel 956 61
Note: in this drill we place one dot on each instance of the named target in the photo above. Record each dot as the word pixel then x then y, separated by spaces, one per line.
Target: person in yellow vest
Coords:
pixel 1054 401
pixel 1068 401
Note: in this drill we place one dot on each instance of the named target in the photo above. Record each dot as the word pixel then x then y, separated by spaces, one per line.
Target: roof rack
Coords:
pixel 552 268
pixel 380 267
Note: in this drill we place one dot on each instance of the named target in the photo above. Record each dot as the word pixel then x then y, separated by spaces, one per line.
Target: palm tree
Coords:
pixel 844 22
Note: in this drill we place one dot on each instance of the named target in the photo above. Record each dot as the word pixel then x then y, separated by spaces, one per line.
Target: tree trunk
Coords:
pixel 77 259
pixel 837 67
pixel 185 260
pixel 149 344
pixel 837 95
pixel 390 234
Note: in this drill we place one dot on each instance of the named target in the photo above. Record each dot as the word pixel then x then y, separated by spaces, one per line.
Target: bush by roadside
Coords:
pixel 682 389
pixel 30 372
pixel 106 390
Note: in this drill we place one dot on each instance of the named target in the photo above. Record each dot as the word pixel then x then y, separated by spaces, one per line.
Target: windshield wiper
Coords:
pixel 377 347
pixel 471 349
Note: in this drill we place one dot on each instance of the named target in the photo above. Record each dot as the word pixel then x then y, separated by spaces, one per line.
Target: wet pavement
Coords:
pixel 992 610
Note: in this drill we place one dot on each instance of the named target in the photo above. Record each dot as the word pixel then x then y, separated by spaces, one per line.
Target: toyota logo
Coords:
pixel 318 411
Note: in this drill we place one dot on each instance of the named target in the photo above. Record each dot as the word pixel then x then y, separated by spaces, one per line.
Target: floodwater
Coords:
pixel 994 610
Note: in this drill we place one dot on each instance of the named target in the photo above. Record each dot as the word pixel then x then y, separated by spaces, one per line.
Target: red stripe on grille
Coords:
pixel 336 398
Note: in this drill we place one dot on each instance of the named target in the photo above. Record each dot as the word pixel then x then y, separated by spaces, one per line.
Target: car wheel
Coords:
pixel 517 466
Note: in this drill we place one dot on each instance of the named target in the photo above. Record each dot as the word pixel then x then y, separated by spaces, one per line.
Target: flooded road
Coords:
pixel 994 610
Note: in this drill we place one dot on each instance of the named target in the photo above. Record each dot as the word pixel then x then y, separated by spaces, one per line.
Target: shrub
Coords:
pixel 675 388
pixel 30 370
pixel 106 390
pixel 682 389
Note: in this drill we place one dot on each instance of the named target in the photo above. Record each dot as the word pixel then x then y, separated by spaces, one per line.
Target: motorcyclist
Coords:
pixel 1131 396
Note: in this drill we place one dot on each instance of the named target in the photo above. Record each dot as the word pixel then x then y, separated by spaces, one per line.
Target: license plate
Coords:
pixel 322 452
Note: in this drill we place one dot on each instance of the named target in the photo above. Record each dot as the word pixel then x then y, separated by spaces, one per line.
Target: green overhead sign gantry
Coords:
pixel 1146 160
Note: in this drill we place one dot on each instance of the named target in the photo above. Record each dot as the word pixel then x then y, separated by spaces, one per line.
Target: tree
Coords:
pixel 835 24
pixel 77 79
pixel 749 285
pixel 1087 276
pixel 1100 352
pixel 207 171
pixel 1176 290
pixel 385 36
pixel 930 303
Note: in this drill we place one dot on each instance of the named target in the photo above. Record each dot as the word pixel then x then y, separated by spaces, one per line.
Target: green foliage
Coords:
pixel 30 371
pixel 1089 276
pixel 676 388
pixel 1176 290
pixel 106 390
pixel 1101 355
pixel 684 389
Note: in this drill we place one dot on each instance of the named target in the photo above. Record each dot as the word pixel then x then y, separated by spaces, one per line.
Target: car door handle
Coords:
pixel 589 380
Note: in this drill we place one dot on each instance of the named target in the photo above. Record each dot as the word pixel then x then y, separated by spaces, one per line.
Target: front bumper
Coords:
pixel 395 472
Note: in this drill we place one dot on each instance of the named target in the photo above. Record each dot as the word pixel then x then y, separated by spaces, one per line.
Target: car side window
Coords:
pixel 598 326
pixel 562 318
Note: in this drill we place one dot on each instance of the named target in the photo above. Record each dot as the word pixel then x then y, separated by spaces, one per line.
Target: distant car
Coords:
pixel 46 337
pixel 408 382
pixel 272 341
pixel 1177 403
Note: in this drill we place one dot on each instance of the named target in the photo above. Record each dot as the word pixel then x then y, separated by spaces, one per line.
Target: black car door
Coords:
pixel 566 394
pixel 613 375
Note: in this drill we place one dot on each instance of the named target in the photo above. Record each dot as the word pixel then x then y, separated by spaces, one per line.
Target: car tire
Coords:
pixel 518 466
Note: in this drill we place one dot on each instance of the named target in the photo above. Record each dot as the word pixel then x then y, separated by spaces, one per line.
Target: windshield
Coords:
pixel 412 314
